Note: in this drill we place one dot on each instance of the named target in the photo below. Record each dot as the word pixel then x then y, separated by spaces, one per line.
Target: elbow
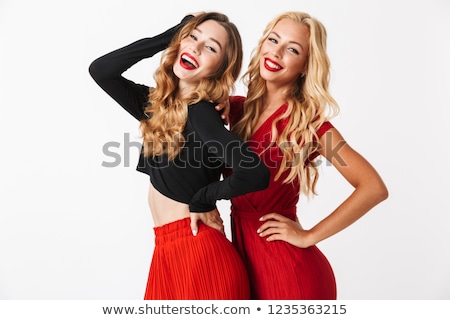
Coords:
pixel 261 177
pixel 265 177
pixel 95 70
pixel 383 193
pixel 251 180
pixel 379 192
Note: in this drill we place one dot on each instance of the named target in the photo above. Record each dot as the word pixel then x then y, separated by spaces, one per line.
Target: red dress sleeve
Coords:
pixel 320 132
pixel 236 109
pixel 324 128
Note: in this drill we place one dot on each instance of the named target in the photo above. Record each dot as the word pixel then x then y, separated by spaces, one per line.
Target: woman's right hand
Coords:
pixel 211 219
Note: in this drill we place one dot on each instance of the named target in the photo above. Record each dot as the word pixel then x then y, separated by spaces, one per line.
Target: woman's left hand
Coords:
pixel 224 107
pixel 279 227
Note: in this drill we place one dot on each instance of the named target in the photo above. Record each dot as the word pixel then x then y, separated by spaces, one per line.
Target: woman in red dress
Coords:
pixel 285 118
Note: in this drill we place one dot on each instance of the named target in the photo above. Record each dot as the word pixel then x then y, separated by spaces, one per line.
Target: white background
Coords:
pixel 71 228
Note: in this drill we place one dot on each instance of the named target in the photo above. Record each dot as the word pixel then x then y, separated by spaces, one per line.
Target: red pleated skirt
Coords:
pixel 279 270
pixel 204 267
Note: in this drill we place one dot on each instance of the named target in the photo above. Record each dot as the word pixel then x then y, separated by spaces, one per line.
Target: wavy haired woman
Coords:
pixel 286 120
pixel 185 146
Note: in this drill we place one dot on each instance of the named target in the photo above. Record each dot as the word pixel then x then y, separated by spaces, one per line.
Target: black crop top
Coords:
pixel 193 177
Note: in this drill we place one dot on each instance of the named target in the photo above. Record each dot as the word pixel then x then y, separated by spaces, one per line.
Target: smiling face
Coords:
pixel 201 54
pixel 284 53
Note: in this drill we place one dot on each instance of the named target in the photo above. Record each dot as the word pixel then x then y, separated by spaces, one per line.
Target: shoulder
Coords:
pixel 205 120
pixel 237 101
pixel 203 108
pixel 327 125
pixel 204 111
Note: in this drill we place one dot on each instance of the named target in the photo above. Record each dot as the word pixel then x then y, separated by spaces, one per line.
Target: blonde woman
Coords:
pixel 185 147
pixel 286 120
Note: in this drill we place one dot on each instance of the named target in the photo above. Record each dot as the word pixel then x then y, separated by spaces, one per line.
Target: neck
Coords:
pixel 275 95
pixel 184 90
pixel 273 100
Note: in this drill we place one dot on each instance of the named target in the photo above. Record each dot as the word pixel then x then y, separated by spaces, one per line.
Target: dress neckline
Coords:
pixel 274 113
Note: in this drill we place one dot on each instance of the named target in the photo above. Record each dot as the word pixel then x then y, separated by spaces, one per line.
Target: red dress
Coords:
pixel 277 270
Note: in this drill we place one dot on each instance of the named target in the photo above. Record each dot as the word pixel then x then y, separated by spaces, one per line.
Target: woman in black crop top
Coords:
pixel 185 148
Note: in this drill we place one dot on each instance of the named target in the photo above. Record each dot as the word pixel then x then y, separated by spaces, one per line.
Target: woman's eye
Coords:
pixel 294 50
pixel 211 49
pixel 272 40
pixel 193 37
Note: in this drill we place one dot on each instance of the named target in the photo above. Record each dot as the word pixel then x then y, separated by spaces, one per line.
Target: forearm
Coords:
pixel 113 64
pixel 360 202
pixel 249 173
pixel 108 69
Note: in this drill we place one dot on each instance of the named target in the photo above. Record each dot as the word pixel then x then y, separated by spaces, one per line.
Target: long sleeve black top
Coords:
pixel 194 176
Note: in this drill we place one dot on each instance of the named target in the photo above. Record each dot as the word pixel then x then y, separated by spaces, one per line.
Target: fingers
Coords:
pixel 268 228
pixel 220 106
pixel 225 115
pixel 224 107
pixel 275 227
pixel 226 120
pixel 274 216
pixel 271 233
pixel 194 223
pixel 211 219
pixel 278 227
pixel 218 227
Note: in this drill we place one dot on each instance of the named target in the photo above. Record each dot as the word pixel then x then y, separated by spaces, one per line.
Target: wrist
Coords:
pixel 311 238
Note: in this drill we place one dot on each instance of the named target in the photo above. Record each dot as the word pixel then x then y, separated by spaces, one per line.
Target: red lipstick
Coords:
pixel 271 65
pixel 188 62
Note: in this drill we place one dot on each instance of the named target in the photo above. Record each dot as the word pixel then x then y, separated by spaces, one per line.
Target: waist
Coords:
pixel 252 213
pixel 173 231
pixel 164 209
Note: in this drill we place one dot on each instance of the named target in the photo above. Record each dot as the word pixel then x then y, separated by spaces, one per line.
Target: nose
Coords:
pixel 196 48
pixel 276 52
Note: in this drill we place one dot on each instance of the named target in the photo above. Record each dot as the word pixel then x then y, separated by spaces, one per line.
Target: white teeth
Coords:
pixel 188 59
pixel 272 65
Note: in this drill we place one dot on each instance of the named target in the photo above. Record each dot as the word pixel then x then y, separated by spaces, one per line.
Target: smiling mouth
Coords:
pixel 271 65
pixel 188 62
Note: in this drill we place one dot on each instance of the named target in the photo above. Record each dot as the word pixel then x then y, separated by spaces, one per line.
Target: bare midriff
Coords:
pixel 165 210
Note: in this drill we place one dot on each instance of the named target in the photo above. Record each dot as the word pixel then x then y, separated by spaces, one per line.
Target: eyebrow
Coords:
pixel 212 39
pixel 294 42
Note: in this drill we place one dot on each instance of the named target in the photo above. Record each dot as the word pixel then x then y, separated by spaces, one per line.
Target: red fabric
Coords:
pixel 277 270
pixel 204 267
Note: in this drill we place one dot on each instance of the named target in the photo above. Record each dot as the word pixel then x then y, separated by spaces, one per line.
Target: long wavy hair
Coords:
pixel 167 113
pixel 309 105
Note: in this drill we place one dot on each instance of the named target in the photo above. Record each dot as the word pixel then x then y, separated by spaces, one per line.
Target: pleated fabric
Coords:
pixel 277 269
pixel 204 267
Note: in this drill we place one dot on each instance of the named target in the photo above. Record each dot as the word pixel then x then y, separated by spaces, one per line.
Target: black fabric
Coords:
pixel 193 177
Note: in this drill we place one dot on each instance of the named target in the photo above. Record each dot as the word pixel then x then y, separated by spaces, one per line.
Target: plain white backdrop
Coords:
pixel 71 228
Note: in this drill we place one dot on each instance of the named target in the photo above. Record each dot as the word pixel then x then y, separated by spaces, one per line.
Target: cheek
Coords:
pixel 265 50
pixel 298 65
pixel 213 64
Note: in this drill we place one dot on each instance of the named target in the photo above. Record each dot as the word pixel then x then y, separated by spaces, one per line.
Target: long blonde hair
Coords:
pixel 167 114
pixel 309 105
